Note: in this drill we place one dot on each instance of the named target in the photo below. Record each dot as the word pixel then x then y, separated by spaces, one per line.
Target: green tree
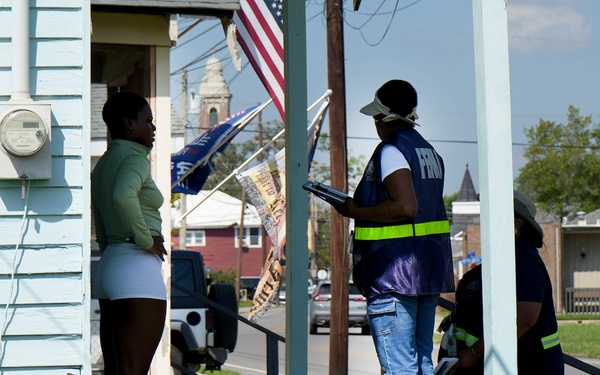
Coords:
pixel 238 152
pixel 321 171
pixel 448 199
pixel 225 277
pixel 563 165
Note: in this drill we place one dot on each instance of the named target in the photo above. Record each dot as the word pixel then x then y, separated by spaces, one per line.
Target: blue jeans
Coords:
pixel 402 329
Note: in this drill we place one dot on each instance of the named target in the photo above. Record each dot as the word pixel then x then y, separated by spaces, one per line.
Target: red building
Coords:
pixel 213 227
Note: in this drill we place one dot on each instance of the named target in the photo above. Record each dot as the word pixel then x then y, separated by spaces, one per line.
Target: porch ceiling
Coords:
pixel 193 7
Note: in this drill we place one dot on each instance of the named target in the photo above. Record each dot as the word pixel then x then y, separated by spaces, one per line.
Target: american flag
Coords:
pixel 259 26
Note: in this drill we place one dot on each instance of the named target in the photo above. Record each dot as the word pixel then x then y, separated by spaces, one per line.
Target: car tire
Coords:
pixel 313 329
pixel 226 326
pixel 177 358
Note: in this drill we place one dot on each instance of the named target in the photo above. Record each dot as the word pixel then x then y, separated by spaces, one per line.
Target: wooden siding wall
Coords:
pixel 48 315
pixel 582 271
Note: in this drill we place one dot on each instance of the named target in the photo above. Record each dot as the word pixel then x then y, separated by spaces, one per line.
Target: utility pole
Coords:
pixel 182 196
pixel 338 338
pixel 260 160
pixel 313 230
pixel 241 242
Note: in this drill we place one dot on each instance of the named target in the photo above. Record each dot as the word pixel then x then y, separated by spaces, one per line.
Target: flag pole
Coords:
pixel 225 140
pixel 325 96
pixel 231 175
pixel 254 156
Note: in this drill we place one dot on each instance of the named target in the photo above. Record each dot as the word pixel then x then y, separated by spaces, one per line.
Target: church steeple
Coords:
pixel 467 189
pixel 214 94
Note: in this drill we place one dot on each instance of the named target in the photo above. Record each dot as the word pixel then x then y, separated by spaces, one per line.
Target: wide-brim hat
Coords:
pixel 525 209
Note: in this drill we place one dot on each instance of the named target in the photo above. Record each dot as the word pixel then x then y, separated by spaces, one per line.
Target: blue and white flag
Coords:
pixel 200 156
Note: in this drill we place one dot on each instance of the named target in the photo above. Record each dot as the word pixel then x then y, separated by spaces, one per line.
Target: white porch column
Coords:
pixel 161 173
pixel 495 164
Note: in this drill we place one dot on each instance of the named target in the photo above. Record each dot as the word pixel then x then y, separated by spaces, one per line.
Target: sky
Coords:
pixel 554 52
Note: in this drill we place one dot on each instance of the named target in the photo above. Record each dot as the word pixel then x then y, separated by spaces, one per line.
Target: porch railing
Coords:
pixel 273 338
pixel 582 300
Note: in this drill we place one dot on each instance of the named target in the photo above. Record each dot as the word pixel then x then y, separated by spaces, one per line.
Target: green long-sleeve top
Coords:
pixel 125 199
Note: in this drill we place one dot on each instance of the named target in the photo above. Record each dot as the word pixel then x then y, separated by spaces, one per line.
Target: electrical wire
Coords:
pixel 14 266
pixel 387 29
pixel 520 144
pixel 194 38
pixel 186 123
pixel 202 57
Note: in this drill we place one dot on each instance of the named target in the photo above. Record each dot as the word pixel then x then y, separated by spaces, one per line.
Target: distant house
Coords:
pixel 550 252
pixel 581 257
pixel 213 229
pixel 466 237
pixel 465 210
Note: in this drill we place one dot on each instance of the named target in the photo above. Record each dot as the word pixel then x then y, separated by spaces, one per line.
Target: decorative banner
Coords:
pixel 206 150
pixel 267 288
pixel 265 186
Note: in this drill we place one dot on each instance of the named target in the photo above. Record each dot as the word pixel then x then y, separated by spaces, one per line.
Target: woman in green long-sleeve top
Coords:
pixel 125 202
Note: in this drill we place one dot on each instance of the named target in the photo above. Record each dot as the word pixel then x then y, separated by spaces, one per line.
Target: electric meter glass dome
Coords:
pixel 22 133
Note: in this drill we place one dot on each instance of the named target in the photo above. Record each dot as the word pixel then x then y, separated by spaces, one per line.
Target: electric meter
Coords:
pixel 23 133
pixel 25 140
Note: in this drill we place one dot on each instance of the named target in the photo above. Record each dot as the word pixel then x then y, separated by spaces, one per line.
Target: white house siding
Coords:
pixel 47 331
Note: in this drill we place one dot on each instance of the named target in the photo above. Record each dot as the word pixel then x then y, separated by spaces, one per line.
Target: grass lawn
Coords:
pixel 221 372
pixel 578 317
pixel 580 339
pixel 576 339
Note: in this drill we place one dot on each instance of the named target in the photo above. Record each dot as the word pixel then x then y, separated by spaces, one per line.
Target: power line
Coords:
pixel 457 141
pixel 396 9
pixel 186 125
pixel 194 37
pixel 211 50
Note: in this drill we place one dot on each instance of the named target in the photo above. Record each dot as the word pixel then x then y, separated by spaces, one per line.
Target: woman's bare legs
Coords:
pixel 130 330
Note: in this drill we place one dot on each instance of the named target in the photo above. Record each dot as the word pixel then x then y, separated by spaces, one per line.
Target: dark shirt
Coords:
pixel 533 285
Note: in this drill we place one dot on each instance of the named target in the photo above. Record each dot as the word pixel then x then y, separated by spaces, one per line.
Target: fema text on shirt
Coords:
pixel 429 163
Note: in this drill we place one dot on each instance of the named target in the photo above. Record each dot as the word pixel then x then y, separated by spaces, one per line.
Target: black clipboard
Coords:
pixel 326 192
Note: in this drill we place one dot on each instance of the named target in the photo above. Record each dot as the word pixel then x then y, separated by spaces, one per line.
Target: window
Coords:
pixel 195 238
pixel 252 237
pixel 214 117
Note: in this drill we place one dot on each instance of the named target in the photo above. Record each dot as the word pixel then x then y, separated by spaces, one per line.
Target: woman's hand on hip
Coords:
pixel 158 248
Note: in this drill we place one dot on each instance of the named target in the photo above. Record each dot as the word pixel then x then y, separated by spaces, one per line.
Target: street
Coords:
pixel 249 357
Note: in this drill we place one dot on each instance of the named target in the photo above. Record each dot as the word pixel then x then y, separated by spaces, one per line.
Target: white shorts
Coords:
pixel 126 270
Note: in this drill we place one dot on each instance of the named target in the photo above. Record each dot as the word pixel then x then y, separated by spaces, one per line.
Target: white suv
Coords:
pixel 199 333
